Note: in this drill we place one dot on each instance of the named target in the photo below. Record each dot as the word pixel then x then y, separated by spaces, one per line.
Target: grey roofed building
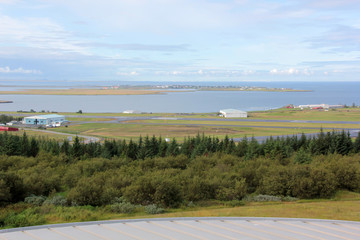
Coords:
pixel 233 113
pixel 192 228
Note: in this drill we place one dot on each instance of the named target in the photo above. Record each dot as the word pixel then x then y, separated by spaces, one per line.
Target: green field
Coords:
pixel 133 131
pixel 340 114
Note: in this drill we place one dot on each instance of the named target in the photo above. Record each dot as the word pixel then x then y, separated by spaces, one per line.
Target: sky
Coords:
pixel 180 40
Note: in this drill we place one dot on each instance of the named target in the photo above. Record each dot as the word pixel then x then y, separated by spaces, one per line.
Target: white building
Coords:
pixel 132 112
pixel 233 113
pixel 324 106
pixel 51 120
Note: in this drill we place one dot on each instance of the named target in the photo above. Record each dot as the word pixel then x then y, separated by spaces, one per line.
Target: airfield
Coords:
pixel 260 125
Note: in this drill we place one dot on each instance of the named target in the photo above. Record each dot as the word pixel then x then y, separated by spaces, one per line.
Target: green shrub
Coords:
pixel 289 199
pixel 263 198
pixel 123 207
pixel 29 217
pixel 56 200
pixel 153 209
pixel 35 200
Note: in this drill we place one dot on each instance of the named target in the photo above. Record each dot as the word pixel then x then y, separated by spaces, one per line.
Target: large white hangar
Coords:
pixel 233 113
pixel 191 228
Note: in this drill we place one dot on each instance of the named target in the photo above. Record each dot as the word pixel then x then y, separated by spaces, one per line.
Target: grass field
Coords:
pixel 133 131
pixel 264 124
pixel 31 133
pixel 344 206
pixel 90 119
pixel 340 114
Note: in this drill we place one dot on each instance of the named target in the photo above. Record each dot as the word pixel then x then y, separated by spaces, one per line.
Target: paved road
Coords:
pixel 88 139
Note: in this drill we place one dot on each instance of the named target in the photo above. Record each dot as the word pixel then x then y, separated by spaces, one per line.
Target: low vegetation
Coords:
pixel 43 181
pixel 339 114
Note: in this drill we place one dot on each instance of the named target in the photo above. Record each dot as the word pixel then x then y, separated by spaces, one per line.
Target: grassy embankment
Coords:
pixel 344 206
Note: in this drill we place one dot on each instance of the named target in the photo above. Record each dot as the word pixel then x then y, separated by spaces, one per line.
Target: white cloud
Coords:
pixel 8 1
pixel 248 72
pixel 19 70
pixel 159 16
pixel 291 71
pixel 176 73
pixel 40 33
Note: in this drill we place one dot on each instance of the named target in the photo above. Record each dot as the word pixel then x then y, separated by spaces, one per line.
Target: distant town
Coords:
pixel 207 88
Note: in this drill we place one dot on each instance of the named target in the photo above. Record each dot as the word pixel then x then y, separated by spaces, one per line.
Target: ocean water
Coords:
pixel 190 102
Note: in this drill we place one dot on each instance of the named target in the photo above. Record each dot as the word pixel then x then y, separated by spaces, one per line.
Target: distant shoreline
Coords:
pixel 143 90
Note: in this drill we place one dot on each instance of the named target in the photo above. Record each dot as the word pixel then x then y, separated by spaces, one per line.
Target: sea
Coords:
pixel 347 93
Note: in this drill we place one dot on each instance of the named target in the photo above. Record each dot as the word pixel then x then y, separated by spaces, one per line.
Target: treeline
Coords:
pixel 191 147
pixel 6 118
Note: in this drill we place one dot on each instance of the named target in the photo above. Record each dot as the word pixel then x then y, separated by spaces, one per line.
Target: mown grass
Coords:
pixel 133 131
pixel 259 124
pixel 39 134
pixel 340 114
pixel 90 119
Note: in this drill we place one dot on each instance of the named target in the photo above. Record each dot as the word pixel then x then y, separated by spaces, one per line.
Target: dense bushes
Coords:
pixel 146 182
pixel 222 170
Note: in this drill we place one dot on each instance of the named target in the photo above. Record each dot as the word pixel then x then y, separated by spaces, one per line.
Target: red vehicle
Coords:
pixel 10 129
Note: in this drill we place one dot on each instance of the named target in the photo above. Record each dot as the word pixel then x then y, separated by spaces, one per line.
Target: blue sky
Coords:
pixel 180 40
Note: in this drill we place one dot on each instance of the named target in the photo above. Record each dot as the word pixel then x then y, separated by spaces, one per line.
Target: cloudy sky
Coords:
pixel 180 40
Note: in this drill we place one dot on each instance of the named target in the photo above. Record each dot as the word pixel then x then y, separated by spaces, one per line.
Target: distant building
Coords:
pixel 320 106
pixel 53 120
pixel 233 113
pixel 132 112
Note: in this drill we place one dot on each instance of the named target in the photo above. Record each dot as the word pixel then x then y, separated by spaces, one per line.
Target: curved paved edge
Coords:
pixel 174 219
pixel 88 139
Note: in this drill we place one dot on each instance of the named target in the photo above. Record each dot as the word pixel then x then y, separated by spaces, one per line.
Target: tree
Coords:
pixel 173 148
pixel 77 150
pixel 357 143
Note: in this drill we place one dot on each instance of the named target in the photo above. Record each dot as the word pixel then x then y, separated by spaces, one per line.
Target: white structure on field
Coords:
pixel 233 113
pixel 320 106
pixel 132 111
